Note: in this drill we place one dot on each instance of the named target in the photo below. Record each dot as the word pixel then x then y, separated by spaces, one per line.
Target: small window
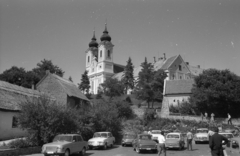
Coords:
pixel 88 58
pixel 101 53
pixel 180 68
pixel 180 77
pixel 79 138
pixel 109 54
pixel 174 100
pixel 14 122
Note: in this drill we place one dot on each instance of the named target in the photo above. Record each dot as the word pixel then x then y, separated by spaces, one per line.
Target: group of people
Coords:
pixel 205 117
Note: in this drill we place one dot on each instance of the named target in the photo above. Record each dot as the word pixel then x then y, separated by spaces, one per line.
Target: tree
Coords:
pixel 143 88
pixel 14 75
pixel 45 65
pixel 85 83
pixel 217 91
pixel 112 87
pixel 128 79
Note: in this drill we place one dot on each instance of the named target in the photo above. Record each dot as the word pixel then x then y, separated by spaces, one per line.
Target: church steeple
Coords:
pixel 93 43
pixel 105 36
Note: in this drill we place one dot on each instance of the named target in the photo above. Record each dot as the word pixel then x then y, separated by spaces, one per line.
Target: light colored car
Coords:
pixel 233 148
pixel 175 140
pixel 128 138
pixel 65 144
pixel 101 139
pixel 201 135
pixel 155 134
pixel 228 135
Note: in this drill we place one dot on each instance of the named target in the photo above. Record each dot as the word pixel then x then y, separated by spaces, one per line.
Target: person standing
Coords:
pixel 229 119
pixel 215 143
pixel 189 140
pixel 212 117
pixel 161 144
pixel 206 116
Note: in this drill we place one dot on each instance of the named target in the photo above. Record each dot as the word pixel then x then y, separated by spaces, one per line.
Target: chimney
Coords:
pixel 187 63
pixel 198 66
pixel 154 59
pixel 47 72
pixel 164 56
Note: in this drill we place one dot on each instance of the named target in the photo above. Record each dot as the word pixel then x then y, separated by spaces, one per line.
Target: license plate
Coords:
pixel 148 148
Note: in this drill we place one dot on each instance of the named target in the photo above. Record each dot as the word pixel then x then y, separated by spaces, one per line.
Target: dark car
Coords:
pixel 144 142
pixel 128 139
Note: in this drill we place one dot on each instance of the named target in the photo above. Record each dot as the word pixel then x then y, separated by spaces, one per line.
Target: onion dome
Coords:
pixel 105 36
pixel 93 43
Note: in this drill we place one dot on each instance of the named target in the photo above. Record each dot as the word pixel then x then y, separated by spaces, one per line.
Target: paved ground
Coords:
pixel 198 150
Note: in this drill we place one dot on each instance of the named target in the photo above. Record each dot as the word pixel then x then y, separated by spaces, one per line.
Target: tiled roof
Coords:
pixel 179 86
pixel 11 95
pixel 117 68
pixel 168 62
pixel 70 88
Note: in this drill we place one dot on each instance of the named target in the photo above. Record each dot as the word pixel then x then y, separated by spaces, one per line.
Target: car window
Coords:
pixel 129 136
pixel 62 138
pixel 227 135
pixel 104 135
pixel 145 137
pixel 156 132
pixel 202 131
pixel 173 136
pixel 79 138
pixel 110 134
pixel 235 144
pixel 75 138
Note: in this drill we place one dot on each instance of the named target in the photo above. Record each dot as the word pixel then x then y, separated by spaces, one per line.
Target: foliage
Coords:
pixel 133 125
pixel 173 109
pixel 85 83
pixel 128 79
pixel 217 91
pixel 20 143
pixel 21 77
pixel 111 87
pixel 150 84
pixel 44 118
pixel 187 108
pixel 128 99
pixel 149 115
pixel 124 109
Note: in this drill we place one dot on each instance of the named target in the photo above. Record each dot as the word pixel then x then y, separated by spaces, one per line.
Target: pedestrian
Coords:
pixel 202 116
pixel 161 144
pixel 229 119
pixel 212 117
pixel 189 140
pixel 206 116
pixel 215 143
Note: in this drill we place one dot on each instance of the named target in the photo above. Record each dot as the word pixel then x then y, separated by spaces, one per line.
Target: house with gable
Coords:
pixel 64 91
pixel 10 97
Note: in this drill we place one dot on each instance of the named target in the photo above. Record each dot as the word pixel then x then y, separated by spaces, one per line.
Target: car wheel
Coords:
pixel 83 152
pixel 111 145
pixel 67 152
pixel 138 150
pixel 90 147
pixel 105 146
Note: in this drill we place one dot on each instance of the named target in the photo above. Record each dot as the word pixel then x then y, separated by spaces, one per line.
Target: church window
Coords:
pixel 180 77
pixel 101 53
pixel 180 68
pixel 88 58
pixel 108 54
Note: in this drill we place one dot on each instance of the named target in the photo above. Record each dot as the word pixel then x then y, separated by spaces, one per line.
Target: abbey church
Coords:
pixel 100 65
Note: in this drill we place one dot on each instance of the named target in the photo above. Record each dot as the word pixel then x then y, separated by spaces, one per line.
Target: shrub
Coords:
pixel 134 125
pixel 128 99
pixel 149 115
pixel 19 143
pixel 124 109
pixel 173 109
pixel 186 108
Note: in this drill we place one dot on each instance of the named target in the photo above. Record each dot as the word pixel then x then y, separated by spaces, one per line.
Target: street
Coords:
pixel 117 150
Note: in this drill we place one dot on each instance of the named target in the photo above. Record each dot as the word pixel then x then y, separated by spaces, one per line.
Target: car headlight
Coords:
pixel 60 149
pixel 100 142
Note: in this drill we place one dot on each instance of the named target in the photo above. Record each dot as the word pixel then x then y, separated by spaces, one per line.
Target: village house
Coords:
pixel 10 98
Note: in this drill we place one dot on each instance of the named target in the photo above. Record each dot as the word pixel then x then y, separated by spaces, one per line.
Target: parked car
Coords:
pixel 128 138
pixel 155 134
pixel 233 148
pixel 201 135
pixel 229 136
pixel 175 140
pixel 65 144
pixel 101 139
pixel 144 142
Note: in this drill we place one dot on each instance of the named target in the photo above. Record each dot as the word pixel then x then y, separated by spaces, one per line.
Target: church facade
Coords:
pixel 99 61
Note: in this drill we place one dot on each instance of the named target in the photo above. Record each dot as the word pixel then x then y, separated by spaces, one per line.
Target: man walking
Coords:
pixel 215 143
pixel 189 140
pixel 229 119
pixel 161 144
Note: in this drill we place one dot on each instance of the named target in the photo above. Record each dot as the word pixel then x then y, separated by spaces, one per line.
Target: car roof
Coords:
pixel 225 133
pixel 156 130
pixel 177 133
pixel 67 134
pixel 102 132
pixel 202 129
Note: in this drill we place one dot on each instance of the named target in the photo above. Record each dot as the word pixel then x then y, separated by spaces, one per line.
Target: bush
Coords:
pixel 124 109
pixel 186 108
pixel 149 115
pixel 19 143
pixel 173 109
pixel 44 118
pixel 128 99
pixel 134 125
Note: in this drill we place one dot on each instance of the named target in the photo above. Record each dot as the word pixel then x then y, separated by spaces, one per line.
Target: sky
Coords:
pixel 203 32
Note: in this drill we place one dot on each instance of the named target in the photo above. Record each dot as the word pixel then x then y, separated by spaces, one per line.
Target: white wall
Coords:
pixel 6 130
pixel 175 99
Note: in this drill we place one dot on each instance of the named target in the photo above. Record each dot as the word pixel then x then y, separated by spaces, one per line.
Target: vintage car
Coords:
pixel 101 139
pixel 229 136
pixel 174 140
pixel 233 148
pixel 144 142
pixel 128 139
pixel 65 144
pixel 201 135
pixel 155 134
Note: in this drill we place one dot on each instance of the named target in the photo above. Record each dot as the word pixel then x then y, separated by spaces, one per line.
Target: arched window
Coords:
pixel 101 53
pixel 180 68
pixel 88 58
